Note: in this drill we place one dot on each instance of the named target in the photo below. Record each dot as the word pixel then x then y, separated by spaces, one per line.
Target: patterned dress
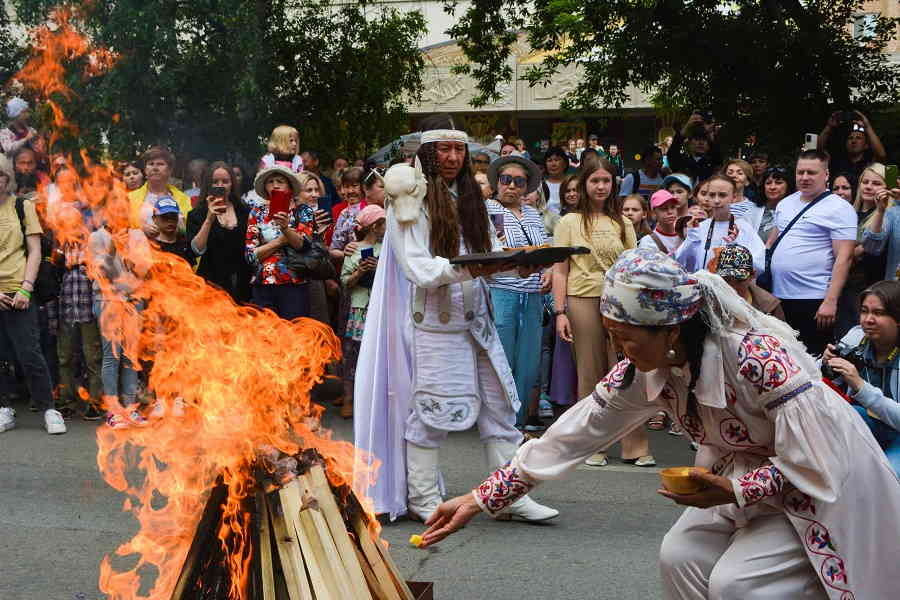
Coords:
pixel 790 446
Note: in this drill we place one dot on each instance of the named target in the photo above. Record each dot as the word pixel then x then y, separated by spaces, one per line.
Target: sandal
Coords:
pixel 657 422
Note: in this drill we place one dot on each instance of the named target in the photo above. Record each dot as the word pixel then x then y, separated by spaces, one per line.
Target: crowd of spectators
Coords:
pixel 813 239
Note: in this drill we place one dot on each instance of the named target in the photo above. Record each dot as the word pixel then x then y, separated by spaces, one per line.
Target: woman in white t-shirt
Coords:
pixel 722 229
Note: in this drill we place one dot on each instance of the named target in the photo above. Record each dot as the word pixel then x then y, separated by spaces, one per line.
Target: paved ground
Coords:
pixel 58 519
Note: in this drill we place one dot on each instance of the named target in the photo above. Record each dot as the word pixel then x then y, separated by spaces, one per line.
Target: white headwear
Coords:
pixel 15 107
pixel 444 135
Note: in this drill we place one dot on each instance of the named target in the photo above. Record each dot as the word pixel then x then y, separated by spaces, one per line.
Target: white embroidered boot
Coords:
pixel 423 495
pixel 498 453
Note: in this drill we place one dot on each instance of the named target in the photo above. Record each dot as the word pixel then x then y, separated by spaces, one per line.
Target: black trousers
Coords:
pixel 20 338
pixel 801 315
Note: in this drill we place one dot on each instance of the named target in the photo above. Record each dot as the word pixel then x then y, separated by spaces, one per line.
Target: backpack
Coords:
pixel 48 282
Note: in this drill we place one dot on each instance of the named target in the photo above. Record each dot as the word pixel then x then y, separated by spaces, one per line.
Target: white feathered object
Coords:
pixel 405 187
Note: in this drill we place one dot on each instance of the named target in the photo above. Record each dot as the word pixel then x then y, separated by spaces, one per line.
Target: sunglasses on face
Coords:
pixel 518 180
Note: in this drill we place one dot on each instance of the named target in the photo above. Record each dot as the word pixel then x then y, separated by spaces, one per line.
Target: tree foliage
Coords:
pixel 212 77
pixel 770 66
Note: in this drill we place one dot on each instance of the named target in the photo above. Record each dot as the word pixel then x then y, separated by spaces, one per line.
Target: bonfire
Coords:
pixel 239 492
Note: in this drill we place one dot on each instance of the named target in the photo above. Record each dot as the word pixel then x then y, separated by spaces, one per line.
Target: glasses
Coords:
pixel 482 161
pixel 518 180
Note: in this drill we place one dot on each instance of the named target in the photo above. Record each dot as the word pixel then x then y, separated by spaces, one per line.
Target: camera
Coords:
pixel 847 116
pixel 855 355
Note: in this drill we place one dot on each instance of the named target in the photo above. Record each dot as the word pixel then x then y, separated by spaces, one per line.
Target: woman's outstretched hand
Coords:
pixel 450 517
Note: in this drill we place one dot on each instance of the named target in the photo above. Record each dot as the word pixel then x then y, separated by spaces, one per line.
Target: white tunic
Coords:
pixel 788 443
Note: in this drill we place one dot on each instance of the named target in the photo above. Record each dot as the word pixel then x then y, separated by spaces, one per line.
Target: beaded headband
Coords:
pixel 444 135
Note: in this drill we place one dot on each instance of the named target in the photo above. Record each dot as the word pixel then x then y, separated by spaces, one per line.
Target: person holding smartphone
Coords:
pixel 357 275
pixel 217 229
pixel 272 225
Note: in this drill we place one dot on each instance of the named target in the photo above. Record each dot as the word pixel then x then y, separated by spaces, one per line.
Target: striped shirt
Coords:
pixel 527 231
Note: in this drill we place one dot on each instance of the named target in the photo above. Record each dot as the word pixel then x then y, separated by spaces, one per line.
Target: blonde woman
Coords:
pixel 597 224
pixel 866 269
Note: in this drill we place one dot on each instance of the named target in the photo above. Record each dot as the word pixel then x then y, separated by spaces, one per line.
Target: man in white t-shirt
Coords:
pixel 809 266
pixel 649 176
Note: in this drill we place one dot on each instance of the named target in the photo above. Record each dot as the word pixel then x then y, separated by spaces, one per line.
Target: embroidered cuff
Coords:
pixel 506 485
pixel 758 485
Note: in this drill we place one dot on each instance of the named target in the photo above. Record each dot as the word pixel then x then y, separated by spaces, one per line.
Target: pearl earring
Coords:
pixel 670 354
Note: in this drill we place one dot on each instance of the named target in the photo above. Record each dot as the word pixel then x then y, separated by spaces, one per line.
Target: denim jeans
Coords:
pixel 20 338
pixel 117 374
pixel 517 316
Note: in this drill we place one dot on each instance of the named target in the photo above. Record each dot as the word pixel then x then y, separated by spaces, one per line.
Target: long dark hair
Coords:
pixel 446 216
pixel 206 185
pixel 612 208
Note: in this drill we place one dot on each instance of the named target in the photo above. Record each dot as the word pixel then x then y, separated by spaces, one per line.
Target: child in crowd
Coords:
pixel 679 185
pixel 734 264
pixel 283 147
pixel 357 275
pixel 166 215
pixel 665 211
pixel 701 197
pixel 634 208
pixel 721 229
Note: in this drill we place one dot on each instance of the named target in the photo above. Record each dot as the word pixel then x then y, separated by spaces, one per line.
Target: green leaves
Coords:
pixel 774 67
pixel 212 77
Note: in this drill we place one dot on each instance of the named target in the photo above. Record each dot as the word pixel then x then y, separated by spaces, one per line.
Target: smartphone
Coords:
pixel 279 202
pixel 890 176
pixel 810 141
pixel 367 253
pixel 497 219
pixel 218 191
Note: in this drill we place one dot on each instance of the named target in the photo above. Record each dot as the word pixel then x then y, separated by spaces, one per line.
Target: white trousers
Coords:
pixel 496 418
pixel 705 556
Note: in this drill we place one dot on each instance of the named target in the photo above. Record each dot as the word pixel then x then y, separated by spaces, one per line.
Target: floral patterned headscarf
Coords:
pixel 647 288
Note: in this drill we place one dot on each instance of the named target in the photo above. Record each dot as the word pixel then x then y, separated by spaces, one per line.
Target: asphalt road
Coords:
pixel 59 518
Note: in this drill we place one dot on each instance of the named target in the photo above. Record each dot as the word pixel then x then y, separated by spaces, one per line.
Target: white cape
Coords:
pixel 382 393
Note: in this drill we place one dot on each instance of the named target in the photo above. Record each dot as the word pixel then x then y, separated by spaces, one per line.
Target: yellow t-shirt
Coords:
pixel 586 271
pixel 12 249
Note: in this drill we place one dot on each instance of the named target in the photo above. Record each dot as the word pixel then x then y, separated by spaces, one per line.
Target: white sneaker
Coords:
pixel 526 509
pixel 545 409
pixel 116 421
pixel 54 422
pixel 137 418
pixel 597 460
pixel 7 419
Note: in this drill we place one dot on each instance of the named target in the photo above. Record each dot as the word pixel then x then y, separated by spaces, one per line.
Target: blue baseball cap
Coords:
pixel 166 205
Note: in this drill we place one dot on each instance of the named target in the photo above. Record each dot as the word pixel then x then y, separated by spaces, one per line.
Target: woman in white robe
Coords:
pixel 800 501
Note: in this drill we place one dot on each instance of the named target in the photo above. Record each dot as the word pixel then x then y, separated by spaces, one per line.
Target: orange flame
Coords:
pixel 242 376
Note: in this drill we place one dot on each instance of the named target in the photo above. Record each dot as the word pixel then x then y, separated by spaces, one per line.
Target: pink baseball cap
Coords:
pixel 661 197
pixel 370 214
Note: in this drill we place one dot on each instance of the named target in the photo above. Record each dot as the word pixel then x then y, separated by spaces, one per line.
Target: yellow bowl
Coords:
pixel 678 479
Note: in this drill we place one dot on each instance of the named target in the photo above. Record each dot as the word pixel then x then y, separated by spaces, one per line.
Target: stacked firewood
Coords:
pixel 309 541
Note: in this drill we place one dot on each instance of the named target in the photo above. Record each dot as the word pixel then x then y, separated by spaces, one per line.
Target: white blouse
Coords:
pixel 787 443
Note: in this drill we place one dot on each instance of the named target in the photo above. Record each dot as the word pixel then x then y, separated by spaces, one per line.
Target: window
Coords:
pixel 864 26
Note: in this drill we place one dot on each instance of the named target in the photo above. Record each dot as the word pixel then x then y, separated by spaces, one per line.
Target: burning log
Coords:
pixel 309 541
